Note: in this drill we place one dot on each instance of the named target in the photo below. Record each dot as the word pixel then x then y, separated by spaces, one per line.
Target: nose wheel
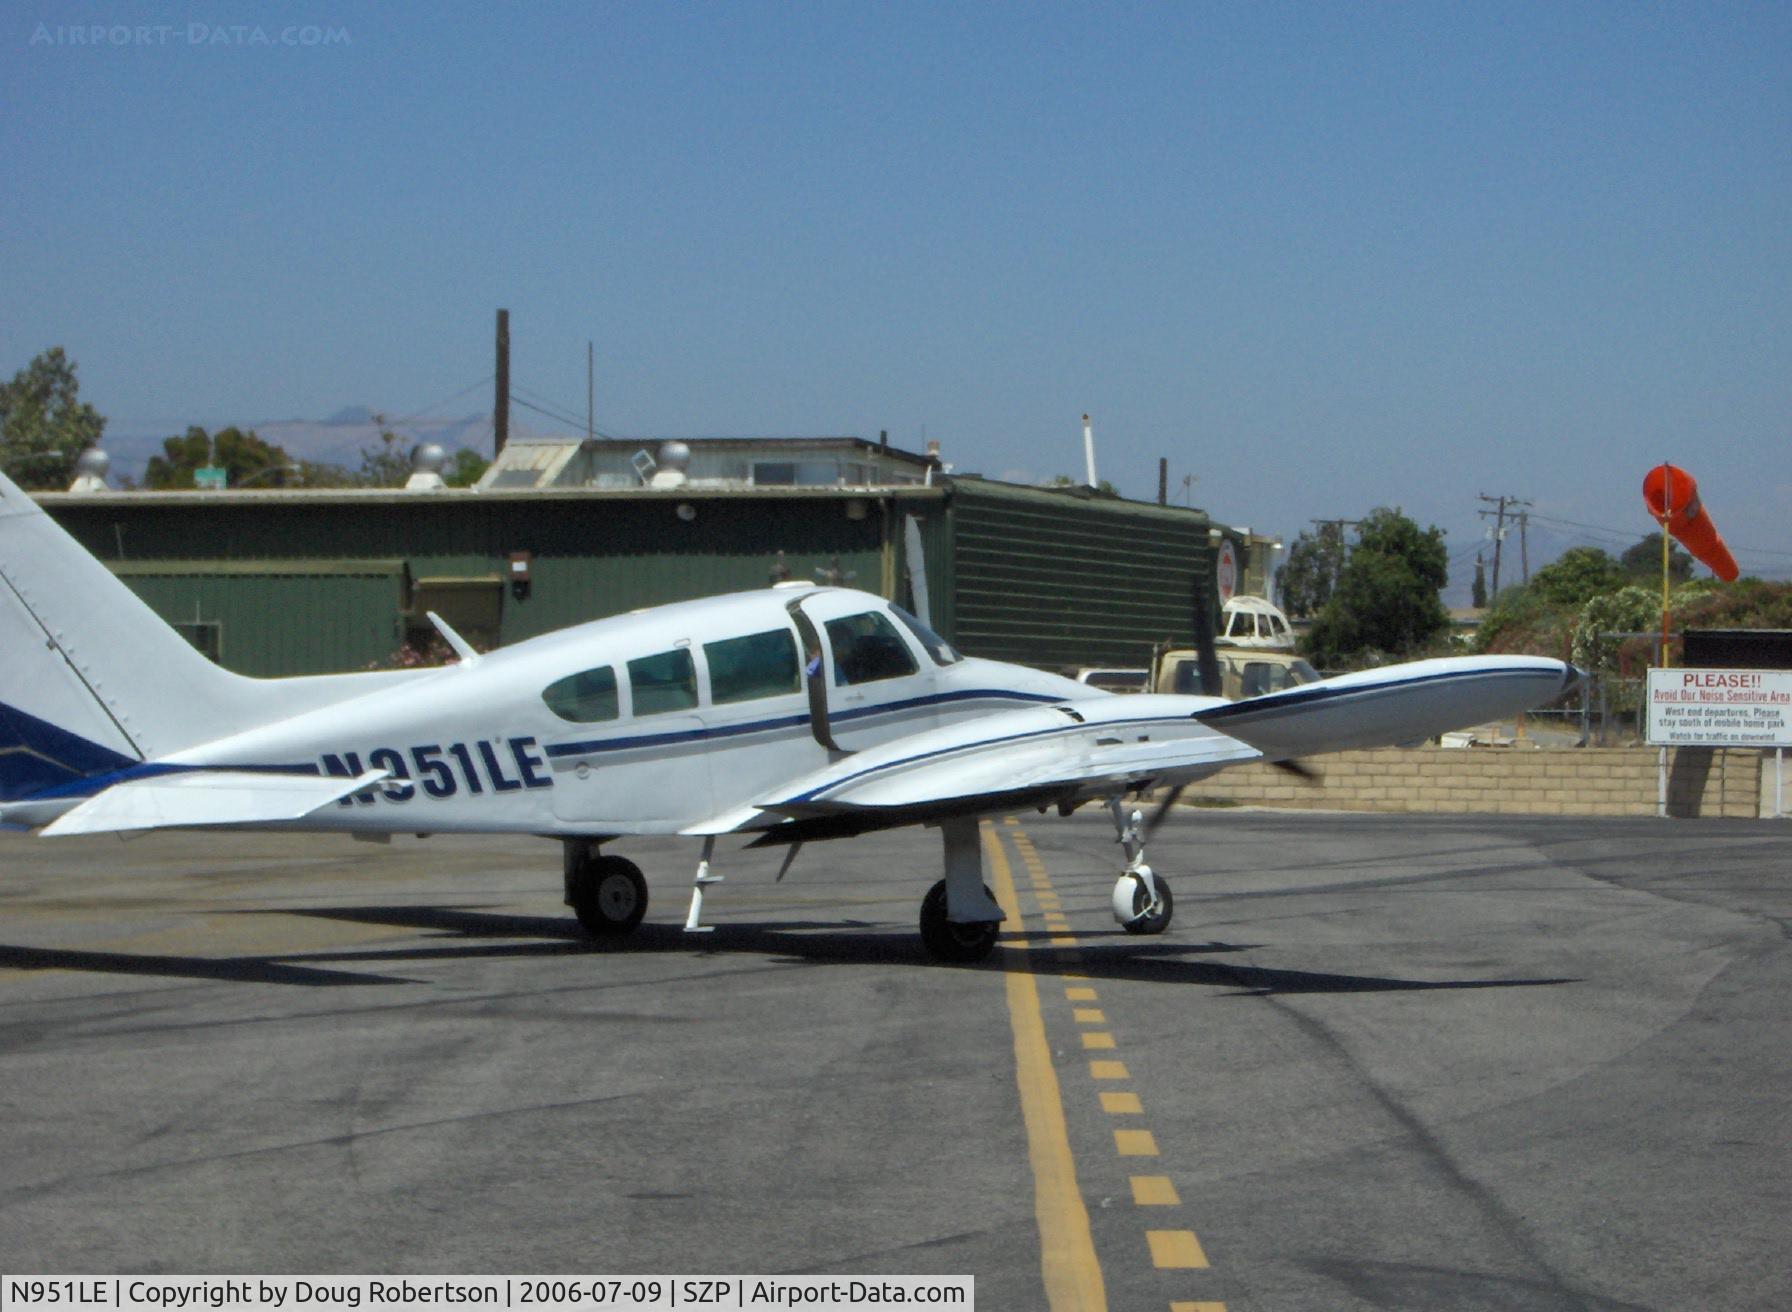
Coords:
pixel 1142 901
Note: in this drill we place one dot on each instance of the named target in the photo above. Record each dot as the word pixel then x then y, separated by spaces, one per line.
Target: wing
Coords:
pixel 207 797
pixel 1074 751
pixel 1392 705
pixel 1060 754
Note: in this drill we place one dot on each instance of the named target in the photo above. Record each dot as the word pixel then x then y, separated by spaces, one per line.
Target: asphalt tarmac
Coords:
pixel 1490 1063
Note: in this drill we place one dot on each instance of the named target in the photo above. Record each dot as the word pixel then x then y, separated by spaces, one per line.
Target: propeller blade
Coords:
pixel 1206 659
pixel 1299 769
pixel 915 556
pixel 815 677
pixel 789 856
pixel 1162 813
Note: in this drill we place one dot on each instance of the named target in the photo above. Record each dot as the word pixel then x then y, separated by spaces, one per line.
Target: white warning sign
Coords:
pixel 1720 708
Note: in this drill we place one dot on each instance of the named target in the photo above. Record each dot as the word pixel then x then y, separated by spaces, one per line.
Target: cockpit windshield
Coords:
pixel 937 647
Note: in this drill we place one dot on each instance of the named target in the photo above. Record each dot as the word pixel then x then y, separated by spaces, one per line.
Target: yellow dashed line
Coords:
pixel 1154 1191
pixel 1176 1250
pixel 1135 1143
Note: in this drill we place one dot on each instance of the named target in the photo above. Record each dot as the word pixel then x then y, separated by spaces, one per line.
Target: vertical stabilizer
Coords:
pixel 88 672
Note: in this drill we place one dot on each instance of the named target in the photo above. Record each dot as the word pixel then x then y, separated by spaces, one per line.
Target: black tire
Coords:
pixel 1158 921
pixel 609 896
pixel 951 942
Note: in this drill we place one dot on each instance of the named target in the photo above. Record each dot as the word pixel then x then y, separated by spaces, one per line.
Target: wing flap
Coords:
pixel 1030 756
pixel 207 797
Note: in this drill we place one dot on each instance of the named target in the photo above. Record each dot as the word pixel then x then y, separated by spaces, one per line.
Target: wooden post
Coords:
pixel 501 398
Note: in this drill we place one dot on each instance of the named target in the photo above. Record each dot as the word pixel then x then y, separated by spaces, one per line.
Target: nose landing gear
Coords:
pixel 1141 901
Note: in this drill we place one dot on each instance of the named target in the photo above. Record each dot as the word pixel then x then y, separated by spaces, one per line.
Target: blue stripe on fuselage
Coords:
pixel 156 769
pixel 593 746
pixel 35 755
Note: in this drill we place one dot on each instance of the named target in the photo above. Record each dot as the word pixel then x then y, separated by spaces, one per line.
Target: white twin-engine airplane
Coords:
pixel 790 714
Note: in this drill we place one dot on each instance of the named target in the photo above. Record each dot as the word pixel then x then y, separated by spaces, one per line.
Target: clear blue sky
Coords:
pixel 1322 257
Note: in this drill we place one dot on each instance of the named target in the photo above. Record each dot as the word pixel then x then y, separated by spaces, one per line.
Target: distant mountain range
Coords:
pixel 338 440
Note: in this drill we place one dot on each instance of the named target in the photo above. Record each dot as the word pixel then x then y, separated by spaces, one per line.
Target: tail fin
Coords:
pixel 90 677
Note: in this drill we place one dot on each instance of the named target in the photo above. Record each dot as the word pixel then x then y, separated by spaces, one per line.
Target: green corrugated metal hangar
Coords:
pixel 298 582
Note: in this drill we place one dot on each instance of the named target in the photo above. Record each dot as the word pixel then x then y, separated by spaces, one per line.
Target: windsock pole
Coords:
pixel 1667 512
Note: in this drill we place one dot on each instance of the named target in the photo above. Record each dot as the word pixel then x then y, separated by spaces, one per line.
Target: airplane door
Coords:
pixel 878 686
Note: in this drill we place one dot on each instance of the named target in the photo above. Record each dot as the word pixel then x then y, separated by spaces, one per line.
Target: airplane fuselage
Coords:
pixel 641 723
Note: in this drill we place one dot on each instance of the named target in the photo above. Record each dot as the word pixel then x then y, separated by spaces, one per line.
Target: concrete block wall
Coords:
pixel 1702 781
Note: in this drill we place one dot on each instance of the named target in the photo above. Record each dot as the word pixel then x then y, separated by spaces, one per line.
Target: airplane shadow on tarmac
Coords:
pixel 235 970
pixel 475 934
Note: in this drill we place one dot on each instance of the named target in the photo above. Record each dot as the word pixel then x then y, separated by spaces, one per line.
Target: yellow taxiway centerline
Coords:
pixel 1072 1273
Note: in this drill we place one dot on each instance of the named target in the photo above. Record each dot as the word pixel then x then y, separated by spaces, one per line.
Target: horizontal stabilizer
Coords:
pixel 207 797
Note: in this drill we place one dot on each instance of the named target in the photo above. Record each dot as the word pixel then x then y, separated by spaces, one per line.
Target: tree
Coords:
pixel 1578 574
pixel 1386 600
pixel 389 463
pixel 466 469
pixel 1642 562
pixel 1314 564
pixel 44 425
pixel 242 456
pixel 1478 597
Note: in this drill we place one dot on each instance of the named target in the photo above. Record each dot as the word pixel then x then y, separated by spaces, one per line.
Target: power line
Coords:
pixel 444 401
pixel 549 408
pixel 529 405
pixel 1631 535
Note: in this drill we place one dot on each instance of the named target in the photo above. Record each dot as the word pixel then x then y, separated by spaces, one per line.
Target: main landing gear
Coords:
pixel 607 893
pixel 959 915
pixel 1141 902
pixel 960 920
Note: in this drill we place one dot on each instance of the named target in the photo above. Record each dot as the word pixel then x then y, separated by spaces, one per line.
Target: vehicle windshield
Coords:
pixel 937 647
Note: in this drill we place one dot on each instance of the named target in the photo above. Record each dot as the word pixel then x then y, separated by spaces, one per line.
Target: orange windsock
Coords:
pixel 1673 498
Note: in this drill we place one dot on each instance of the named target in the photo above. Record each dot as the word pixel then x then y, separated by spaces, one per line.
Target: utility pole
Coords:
pixel 1501 504
pixel 590 391
pixel 1163 480
pixel 501 399
pixel 1524 546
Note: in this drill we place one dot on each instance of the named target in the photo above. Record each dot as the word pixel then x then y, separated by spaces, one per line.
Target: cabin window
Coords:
pixel 584 697
pixel 666 682
pixel 868 648
pixel 935 646
pixel 759 665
